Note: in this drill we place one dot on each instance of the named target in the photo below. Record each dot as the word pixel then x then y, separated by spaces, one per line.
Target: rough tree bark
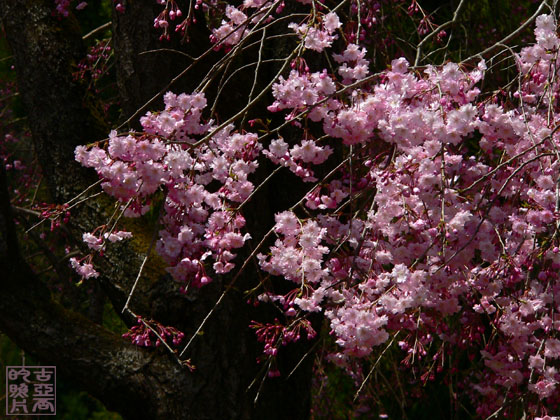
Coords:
pixel 138 383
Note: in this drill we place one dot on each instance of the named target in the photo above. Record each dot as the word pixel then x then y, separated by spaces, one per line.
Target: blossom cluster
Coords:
pixel 84 268
pixel 449 232
pixel 63 6
pixel 443 226
pixel 298 254
pixel 202 184
pixel 318 37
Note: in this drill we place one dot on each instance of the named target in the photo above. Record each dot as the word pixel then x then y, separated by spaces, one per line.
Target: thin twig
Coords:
pixel 509 37
pixel 96 30
pixel 152 242
pixel 437 30
pixel 374 366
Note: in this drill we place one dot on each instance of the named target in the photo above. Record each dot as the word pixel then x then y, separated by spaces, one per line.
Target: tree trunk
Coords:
pixel 139 383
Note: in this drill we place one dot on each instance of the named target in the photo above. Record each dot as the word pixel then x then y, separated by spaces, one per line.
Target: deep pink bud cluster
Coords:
pixel 56 213
pixel 274 335
pixel 95 63
pixel 143 334
pixel 170 13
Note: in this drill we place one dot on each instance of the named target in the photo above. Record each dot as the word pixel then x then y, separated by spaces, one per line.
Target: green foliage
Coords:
pixel 111 320
pixel 333 393
pixel 94 15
